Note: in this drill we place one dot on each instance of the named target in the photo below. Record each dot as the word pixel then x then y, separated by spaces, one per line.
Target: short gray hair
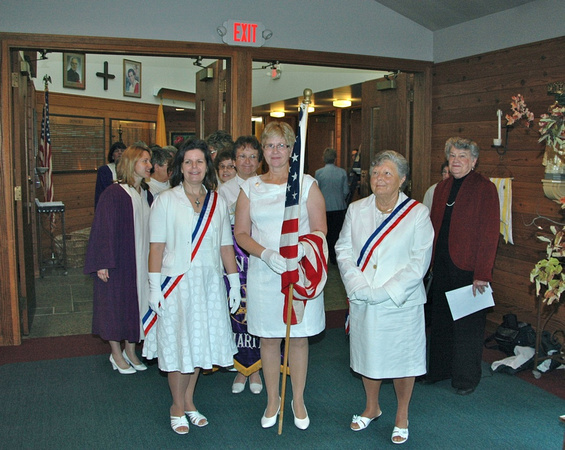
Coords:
pixel 330 155
pixel 399 161
pixel 461 144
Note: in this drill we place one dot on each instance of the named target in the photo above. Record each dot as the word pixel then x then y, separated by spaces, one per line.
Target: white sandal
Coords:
pixel 178 422
pixel 362 422
pixel 401 433
pixel 195 418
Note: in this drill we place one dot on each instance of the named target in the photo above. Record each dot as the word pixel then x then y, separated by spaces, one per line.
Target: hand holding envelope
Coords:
pixel 462 302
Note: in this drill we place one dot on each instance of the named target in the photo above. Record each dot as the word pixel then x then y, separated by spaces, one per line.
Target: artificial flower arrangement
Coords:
pixel 520 111
pixel 548 271
pixel 552 128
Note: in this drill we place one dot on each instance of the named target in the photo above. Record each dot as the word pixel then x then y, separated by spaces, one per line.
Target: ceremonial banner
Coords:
pixel 248 358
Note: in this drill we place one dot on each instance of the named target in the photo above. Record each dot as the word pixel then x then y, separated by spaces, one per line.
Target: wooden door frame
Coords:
pixel 239 96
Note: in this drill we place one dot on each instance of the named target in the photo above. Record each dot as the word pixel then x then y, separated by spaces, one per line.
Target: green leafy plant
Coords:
pixel 548 271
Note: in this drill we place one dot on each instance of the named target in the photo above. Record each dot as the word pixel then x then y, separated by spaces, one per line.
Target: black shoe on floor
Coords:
pixel 465 391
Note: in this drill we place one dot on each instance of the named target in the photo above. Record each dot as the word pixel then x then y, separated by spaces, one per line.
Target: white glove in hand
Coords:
pixel 156 297
pixel 378 295
pixel 235 292
pixel 361 295
pixel 301 251
pixel 274 260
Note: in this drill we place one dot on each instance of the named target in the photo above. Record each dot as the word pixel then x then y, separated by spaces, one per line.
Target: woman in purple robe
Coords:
pixel 117 257
pixel 106 175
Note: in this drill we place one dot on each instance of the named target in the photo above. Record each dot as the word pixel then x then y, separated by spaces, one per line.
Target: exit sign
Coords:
pixel 239 32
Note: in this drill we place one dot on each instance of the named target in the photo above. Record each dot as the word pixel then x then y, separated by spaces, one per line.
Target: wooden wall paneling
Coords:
pixel 465 96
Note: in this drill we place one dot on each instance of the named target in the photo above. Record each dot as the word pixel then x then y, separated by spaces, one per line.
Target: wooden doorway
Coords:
pixel 23 153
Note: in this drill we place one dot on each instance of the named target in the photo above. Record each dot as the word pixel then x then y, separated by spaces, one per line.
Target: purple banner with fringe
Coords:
pixel 248 358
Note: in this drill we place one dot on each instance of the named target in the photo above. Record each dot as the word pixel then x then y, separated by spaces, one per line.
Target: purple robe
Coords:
pixel 104 178
pixel 115 311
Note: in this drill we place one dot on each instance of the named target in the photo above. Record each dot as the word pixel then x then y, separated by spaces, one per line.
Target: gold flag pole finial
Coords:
pixel 307 95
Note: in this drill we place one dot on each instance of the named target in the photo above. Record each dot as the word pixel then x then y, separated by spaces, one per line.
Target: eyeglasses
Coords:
pixel 244 157
pixel 226 167
pixel 277 146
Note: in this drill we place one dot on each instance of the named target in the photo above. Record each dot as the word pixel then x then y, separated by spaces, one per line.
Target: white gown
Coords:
pixel 141 211
pixel 194 328
pixel 265 302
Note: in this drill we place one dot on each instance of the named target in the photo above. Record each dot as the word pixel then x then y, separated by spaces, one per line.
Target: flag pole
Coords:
pixel 306 102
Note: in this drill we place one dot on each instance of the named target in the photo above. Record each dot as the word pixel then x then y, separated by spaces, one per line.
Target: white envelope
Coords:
pixel 462 303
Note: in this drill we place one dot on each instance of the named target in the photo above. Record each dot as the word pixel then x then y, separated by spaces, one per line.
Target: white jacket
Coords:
pixel 171 222
pixel 400 261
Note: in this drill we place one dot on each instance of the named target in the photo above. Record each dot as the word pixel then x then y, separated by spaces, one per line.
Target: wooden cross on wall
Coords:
pixel 107 76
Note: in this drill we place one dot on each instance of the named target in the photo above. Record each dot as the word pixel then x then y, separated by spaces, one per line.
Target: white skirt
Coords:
pixel 387 342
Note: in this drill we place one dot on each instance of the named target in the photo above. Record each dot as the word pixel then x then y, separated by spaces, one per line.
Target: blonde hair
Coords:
pixel 278 129
pixel 125 169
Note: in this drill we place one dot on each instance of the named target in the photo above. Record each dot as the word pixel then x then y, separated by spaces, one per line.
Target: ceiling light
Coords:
pixel 342 103
pixel 277 114
pixel 311 109
pixel 256 119
pixel 179 109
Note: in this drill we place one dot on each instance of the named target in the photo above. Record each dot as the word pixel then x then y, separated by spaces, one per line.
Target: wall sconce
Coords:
pixel 342 103
pixel 256 119
pixel 277 114
pixel 311 109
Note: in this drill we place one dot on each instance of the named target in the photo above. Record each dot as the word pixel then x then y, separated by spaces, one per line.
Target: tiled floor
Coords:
pixel 64 302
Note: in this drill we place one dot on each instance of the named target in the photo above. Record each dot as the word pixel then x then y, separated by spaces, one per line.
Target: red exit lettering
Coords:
pixel 246 30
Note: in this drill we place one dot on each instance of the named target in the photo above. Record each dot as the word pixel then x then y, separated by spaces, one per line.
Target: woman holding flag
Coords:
pixel 383 253
pixel 259 217
pixel 190 244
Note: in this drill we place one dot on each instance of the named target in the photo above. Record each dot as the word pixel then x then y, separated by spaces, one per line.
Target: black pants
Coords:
pixel 335 222
pixel 456 347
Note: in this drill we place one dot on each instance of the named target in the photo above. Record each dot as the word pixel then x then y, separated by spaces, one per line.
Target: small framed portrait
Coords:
pixel 178 137
pixel 132 78
pixel 74 70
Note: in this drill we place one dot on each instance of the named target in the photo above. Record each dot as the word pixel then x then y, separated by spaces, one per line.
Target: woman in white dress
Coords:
pixel 258 221
pixel 383 253
pixel 190 244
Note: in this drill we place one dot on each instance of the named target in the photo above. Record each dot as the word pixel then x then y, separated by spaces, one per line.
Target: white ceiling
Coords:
pixel 438 14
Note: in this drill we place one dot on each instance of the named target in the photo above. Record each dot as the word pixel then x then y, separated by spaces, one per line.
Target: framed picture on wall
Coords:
pixel 132 78
pixel 178 137
pixel 74 70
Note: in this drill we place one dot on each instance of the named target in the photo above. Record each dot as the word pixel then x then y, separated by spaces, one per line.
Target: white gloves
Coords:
pixel 274 260
pixel 155 294
pixel 370 296
pixel 361 295
pixel 235 292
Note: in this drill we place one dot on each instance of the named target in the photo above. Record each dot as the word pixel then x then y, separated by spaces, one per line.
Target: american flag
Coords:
pixel 289 232
pixel 45 157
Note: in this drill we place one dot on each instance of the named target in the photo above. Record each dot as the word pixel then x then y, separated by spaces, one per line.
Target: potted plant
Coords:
pixel 548 271
pixel 552 133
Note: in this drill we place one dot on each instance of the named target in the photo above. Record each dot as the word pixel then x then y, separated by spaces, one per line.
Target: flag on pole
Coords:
pixel 289 232
pixel 45 157
pixel 160 130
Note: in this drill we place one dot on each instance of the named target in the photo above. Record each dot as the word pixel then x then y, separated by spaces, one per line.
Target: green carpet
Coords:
pixel 81 403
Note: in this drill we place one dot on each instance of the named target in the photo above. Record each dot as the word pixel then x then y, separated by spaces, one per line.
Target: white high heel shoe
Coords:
pixel 301 424
pixel 268 422
pixel 139 367
pixel 127 371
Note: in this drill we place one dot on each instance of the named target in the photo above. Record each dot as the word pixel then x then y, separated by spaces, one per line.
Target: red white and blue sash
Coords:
pixel 202 226
pixel 389 224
